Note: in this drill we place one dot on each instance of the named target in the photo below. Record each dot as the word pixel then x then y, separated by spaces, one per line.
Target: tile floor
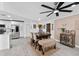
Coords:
pixel 21 47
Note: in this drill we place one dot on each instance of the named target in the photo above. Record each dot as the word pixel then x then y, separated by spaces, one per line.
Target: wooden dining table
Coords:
pixel 46 43
pixel 43 36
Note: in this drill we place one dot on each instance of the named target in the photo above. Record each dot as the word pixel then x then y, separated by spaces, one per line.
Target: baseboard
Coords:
pixel 77 46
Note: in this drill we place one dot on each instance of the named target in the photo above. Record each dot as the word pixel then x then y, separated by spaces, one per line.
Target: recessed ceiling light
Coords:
pixel 8 16
pixel 12 22
pixel 11 19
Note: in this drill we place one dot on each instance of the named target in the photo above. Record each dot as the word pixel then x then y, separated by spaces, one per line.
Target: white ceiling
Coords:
pixel 31 10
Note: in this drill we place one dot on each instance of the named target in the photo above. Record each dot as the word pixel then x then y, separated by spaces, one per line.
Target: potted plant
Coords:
pixel 63 29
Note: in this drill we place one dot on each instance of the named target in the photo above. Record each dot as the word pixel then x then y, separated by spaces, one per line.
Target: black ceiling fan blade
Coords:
pixel 49 14
pixel 65 10
pixel 76 3
pixel 47 7
pixel 68 5
pixel 45 12
pixel 57 14
pixel 60 4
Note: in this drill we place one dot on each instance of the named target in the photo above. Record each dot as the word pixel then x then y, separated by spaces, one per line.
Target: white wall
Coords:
pixel 4 41
pixel 77 29
pixel 27 29
pixel 5 38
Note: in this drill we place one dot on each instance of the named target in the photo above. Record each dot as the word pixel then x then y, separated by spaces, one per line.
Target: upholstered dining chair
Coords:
pixel 32 40
pixel 36 41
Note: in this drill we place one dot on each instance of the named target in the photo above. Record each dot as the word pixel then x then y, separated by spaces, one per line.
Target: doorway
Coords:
pixel 15 32
pixel 48 27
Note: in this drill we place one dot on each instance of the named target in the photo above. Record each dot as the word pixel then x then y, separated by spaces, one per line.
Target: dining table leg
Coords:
pixel 43 51
pixel 55 46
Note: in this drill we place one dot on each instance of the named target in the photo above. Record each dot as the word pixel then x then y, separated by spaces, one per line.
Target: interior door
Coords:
pixel 48 27
pixel 17 28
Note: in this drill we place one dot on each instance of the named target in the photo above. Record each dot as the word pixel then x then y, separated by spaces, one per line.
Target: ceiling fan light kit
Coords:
pixel 58 8
pixel 56 11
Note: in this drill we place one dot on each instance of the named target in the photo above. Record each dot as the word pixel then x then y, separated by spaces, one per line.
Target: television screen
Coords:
pixel 2 25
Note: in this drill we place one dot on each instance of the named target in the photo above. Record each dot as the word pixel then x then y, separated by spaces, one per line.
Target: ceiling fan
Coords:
pixel 58 8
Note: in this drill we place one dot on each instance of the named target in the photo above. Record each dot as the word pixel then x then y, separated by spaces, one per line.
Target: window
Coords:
pixel 34 26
